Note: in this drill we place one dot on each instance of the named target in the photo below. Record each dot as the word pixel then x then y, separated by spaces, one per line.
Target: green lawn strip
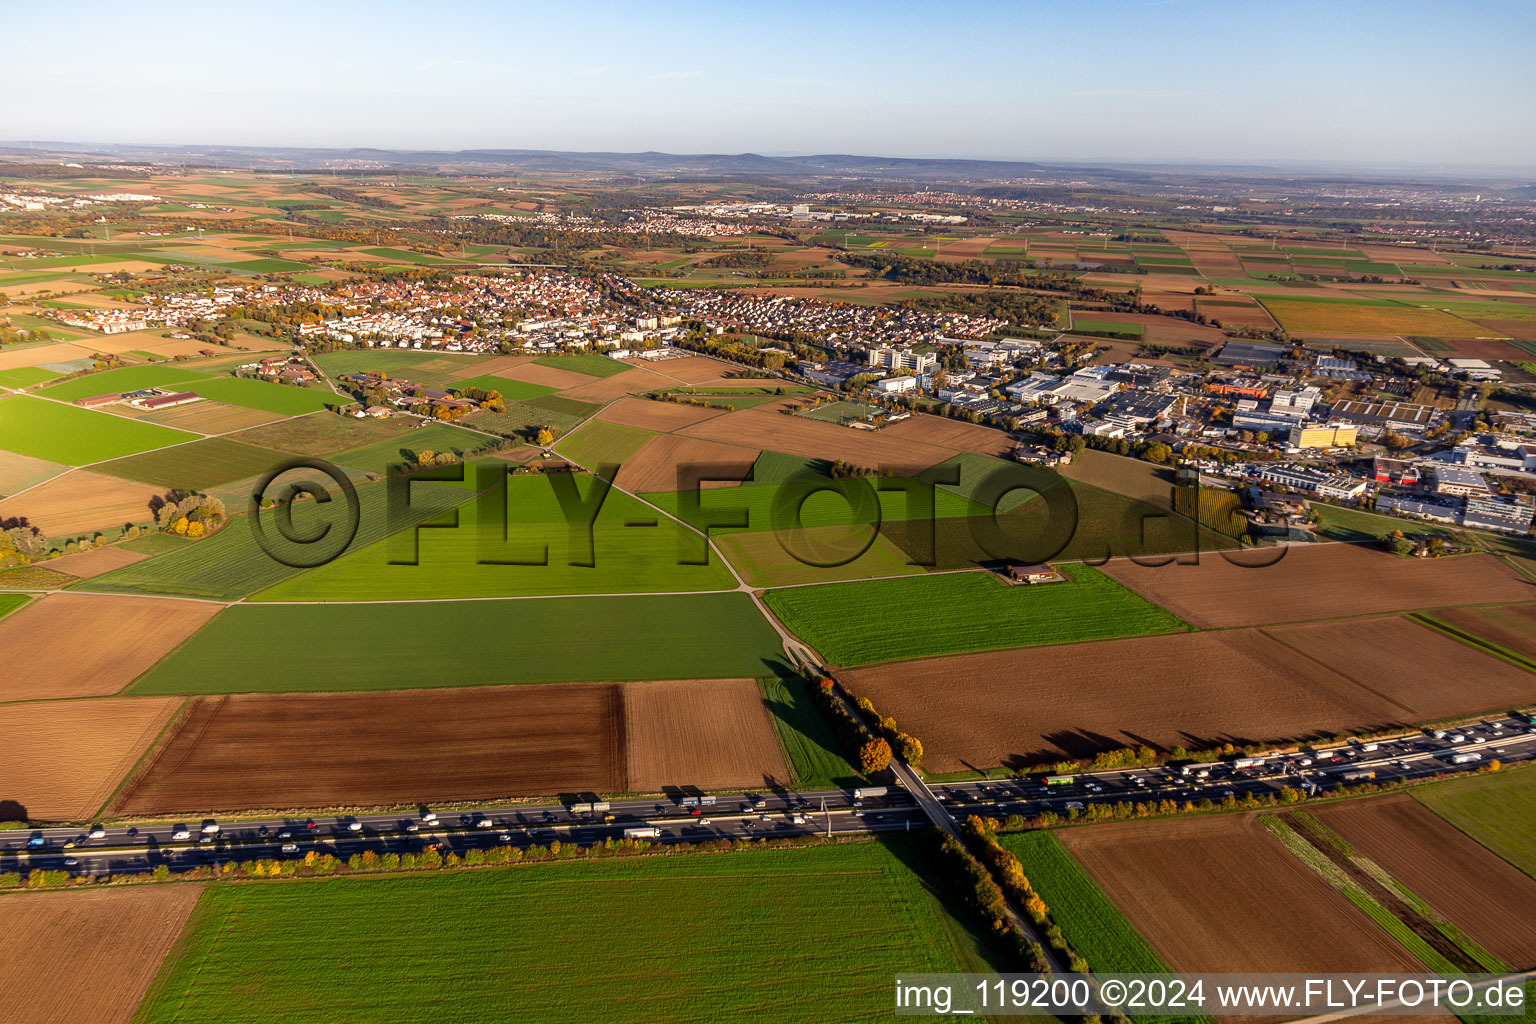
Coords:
pixel 1351 890
pixel 276 648
pixel 231 563
pixel 676 938
pixel 811 747
pixel 1486 646
pixel 851 623
pixel 1497 809
pixel 589 363
pixel 1092 924
pixel 518 540
pixel 76 436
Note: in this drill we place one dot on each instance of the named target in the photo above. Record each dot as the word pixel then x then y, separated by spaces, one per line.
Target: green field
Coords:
pixel 595 443
pixel 1116 327
pixel 922 616
pixel 26 376
pixel 231 564
pixel 277 648
pixel 76 436
pixel 522 546
pixel 404 447
pixel 196 466
pixel 813 750
pixel 589 363
pixel 433 369
pixel 267 396
pixel 124 379
pixel 519 390
pixel 11 602
pixel 1498 810
pixel 692 938
pixel 325 434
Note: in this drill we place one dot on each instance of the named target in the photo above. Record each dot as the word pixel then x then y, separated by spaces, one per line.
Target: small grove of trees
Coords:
pixel 545 437
pixel 20 542
pixel 188 515
pixel 886 727
pixel 985 897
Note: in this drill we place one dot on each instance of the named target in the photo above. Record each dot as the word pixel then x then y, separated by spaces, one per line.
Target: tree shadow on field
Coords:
pixel 12 810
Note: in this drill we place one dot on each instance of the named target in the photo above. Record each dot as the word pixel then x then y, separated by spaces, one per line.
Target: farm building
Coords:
pixel 99 400
pixel 167 401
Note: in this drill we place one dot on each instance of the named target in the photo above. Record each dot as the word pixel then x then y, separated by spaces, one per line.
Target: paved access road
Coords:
pixel 183 844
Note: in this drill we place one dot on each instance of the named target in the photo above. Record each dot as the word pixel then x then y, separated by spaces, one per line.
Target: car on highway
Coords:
pixel 354 826
pixel 70 862
pixel 210 828
pixel 290 847
pixel 310 825
pixel 97 832
pixel 411 826
pixel 704 821
pixel 36 841
pixel 481 821
pixel 504 837
pixel 285 834
pixel 181 832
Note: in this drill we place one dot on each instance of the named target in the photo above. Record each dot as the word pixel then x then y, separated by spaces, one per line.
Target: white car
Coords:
pixel 354 826
pixel 181 833
pixel 98 833
pixel 290 847
pixel 211 829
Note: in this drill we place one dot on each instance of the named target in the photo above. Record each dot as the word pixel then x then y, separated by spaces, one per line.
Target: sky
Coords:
pixel 1380 82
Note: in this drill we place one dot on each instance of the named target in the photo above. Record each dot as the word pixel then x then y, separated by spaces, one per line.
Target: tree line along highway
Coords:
pixel 697 817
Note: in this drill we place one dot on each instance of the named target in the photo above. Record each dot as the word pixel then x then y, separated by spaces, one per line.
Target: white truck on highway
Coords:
pixel 642 832
pixel 1466 757
pixel 870 792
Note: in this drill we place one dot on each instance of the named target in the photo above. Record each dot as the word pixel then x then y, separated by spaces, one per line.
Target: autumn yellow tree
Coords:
pixel 545 437
pixel 875 756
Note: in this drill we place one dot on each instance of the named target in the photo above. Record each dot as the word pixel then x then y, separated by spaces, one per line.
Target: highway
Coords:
pixel 124 849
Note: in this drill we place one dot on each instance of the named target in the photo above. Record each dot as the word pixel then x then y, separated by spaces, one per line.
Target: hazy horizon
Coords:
pixel 1426 85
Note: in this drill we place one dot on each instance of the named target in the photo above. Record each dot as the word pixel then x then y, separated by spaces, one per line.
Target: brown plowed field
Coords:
pixel 651 415
pixel 277 751
pixel 948 433
pixel 689 369
pixel 213 417
pixel 796 435
pixel 96 561
pixel 1475 889
pixel 81 500
pixel 37 355
pixel 1219 894
pixel 1194 690
pixel 700 732
pixel 1486 348
pixel 61 759
pixel 489 367
pixel 654 467
pixel 630 382
pixel 85 645
pixel 73 957
pixel 1131 477
pixel 1424 673
pixel 1512 626
pixel 1319 581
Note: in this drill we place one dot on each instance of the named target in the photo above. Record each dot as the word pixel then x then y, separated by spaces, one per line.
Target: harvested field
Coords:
pixel 1353 317
pixel 86 645
pixel 1319 581
pixel 99 741
pixel 1195 690
pixel 630 382
pixel 1164 330
pixel 1131 477
pixel 1198 888
pixel 1237 311
pixel 655 467
pixel 1486 348
pixel 1512 627
pixel 67 957
pixel 37 355
pixel 957 434
pixel 85 564
pixel 796 435
pixel 494 366
pixel 1488 898
pixel 1412 666
pixel 652 415
pixel 700 732
pixel 18 472
pixel 689 369
pixel 207 417
pixel 325 434
pixel 81 500
pixel 279 751
pixel 548 376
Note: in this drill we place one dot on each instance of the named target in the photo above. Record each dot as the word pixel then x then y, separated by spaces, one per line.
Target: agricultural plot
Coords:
pixel 587 363
pixel 98 739
pixel 431 369
pixel 26 376
pixel 197 466
pixel 518 539
pixel 1507 628
pixel 40 931
pixel 127 378
pixel 80 645
pixel 709 733
pixel 255 751
pixel 598 443
pixel 1497 810
pixel 773 558
pixel 266 396
pixel 325 434
pixel 254 647
pixel 797 435
pixel 1352 316
pixel 518 390
pixel 1133 478
pixel 231 563
pixel 849 623
pixel 211 417
pixel 1485 897
pixel 95 561
pixel 633 381
pixel 1195 690
pixel 814 752
pixel 1319 582
pixel 81 500
pixel 648 414
pixel 1194 887
pixel 403 449
pixel 76 436
pixel 645 949
pixel 19 472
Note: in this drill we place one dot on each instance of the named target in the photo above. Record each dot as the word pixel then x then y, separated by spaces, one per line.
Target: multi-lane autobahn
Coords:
pixel 681 818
